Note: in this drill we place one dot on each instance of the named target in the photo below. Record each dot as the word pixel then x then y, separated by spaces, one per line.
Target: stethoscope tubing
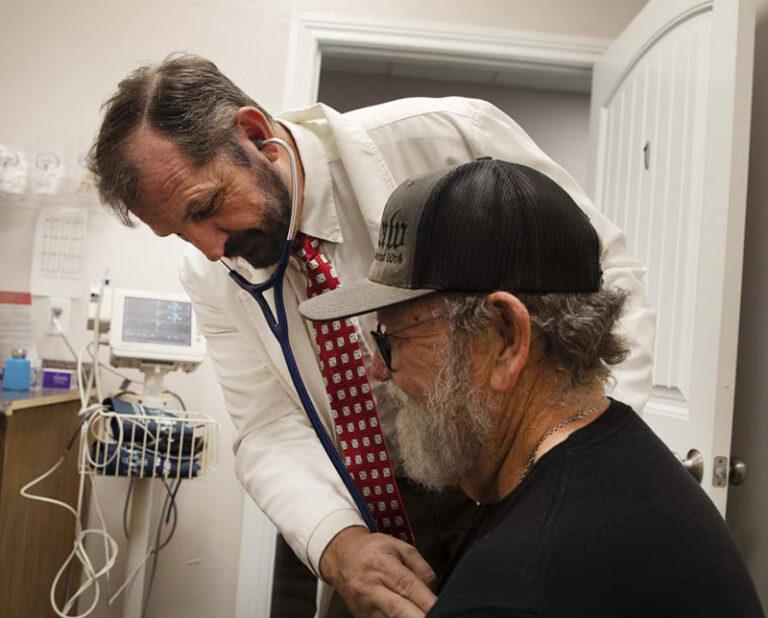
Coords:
pixel 278 325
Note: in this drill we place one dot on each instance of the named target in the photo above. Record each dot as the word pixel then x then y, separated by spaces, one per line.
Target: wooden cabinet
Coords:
pixel 35 537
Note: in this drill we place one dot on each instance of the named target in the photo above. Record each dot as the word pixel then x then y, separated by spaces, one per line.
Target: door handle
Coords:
pixel 694 463
pixel 738 472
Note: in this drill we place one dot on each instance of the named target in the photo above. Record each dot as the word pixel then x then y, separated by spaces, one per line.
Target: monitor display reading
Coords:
pixel 152 320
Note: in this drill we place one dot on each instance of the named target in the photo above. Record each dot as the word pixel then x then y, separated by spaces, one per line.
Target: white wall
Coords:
pixel 748 504
pixel 558 122
pixel 59 61
pixel 598 18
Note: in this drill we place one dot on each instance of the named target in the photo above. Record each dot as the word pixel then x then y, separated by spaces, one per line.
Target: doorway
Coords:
pixel 556 119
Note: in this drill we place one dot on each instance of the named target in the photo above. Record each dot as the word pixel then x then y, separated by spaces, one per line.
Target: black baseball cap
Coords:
pixel 478 227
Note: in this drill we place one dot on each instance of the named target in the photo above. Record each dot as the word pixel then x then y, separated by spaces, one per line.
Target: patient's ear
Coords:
pixel 512 340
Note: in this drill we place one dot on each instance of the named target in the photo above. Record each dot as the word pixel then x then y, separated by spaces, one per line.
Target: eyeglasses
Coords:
pixel 384 340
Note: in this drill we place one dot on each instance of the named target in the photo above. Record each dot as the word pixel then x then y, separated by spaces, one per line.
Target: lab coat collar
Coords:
pixel 369 176
pixel 318 212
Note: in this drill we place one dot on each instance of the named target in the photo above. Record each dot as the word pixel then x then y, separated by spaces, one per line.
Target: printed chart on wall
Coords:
pixel 58 263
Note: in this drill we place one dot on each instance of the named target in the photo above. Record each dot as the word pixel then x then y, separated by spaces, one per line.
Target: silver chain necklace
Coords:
pixel 571 419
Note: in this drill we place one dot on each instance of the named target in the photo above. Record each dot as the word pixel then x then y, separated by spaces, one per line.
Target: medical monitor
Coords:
pixel 154 327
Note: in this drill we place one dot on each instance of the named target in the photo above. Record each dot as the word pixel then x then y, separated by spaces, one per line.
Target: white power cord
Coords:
pixel 93 415
pixel 57 326
pixel 78 551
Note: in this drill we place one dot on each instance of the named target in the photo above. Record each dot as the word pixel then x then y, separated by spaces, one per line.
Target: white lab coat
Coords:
pixel 278 458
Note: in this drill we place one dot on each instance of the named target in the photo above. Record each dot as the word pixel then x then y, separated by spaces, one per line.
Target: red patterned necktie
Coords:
pixel 352 406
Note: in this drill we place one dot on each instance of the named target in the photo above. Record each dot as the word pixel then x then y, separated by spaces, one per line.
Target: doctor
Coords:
pixel 181 148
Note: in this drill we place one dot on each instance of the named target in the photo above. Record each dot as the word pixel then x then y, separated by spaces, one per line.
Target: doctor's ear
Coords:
pixel 257 128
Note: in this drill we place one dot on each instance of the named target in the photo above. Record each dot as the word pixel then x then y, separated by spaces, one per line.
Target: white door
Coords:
pixel 670 114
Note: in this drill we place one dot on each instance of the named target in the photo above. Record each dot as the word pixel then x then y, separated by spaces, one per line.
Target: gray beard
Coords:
pixel 441 441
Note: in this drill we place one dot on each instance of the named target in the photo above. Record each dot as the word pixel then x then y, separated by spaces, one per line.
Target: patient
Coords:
pixel 498 336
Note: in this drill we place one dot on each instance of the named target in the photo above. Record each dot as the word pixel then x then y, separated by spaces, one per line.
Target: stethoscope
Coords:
pixel 278 324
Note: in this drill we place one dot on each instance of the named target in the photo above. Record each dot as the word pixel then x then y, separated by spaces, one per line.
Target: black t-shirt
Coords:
pixel 607 523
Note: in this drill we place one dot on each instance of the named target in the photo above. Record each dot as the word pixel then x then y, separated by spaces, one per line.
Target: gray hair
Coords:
pixel 185 98
pixel 576 331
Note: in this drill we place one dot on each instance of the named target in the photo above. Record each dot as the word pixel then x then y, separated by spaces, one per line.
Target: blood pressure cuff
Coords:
pixel 122 460
pixel 146 442
pixel 163 436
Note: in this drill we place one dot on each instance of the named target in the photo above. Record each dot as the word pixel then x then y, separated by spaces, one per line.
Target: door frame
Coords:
pixel 552 58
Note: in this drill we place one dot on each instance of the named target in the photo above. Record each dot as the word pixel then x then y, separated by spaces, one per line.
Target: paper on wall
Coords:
pixel 16 324
pixel 58 261
pixel 13 171
pixel 49 173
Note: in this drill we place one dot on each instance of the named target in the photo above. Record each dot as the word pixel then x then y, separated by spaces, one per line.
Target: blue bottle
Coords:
pixel 16 372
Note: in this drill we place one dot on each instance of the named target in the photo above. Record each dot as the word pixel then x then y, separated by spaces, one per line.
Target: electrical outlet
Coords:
pixel 60 308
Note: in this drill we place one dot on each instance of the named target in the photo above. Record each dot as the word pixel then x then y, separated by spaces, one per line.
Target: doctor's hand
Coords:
pixel 378 575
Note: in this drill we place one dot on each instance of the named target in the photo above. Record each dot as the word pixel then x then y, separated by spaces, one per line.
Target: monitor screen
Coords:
pixel 152 320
